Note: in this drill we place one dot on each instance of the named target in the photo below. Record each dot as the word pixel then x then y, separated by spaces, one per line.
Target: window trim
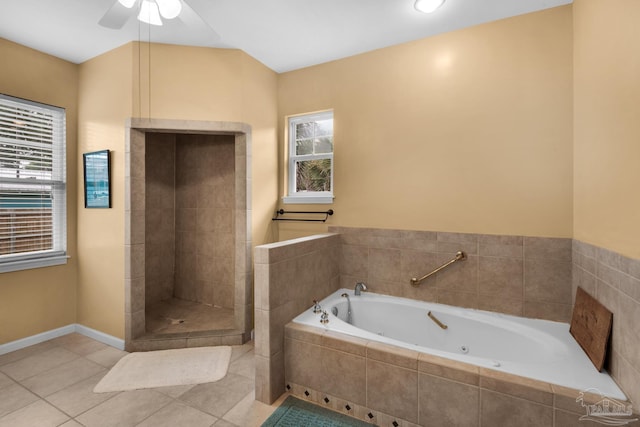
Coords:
pixel 58 254
pixel 314 197
pixel 46 259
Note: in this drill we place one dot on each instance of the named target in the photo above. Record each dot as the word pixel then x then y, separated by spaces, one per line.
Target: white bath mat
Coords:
pixel 166 368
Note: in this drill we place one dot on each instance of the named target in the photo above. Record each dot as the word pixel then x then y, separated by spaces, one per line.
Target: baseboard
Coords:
pixel 55 333
pixel 36 339
pixel 100 336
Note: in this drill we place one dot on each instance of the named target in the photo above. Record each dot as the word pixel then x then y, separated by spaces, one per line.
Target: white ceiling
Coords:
pixel 282 34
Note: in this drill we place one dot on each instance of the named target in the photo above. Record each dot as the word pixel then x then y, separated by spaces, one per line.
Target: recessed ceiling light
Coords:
pixel 428 6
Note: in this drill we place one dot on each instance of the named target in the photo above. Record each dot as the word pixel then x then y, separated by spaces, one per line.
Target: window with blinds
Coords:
pixel 32 185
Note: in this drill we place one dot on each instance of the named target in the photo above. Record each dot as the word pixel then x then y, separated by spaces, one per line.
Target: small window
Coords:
pixel 33 206
pixel 311 158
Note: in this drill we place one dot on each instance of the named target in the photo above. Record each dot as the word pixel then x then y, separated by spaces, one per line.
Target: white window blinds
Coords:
pixel 32 184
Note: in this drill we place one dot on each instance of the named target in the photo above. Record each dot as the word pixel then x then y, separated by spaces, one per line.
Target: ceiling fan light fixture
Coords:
pixel 428 6
pixel 149 13
pixel 127 3
pixel 169 9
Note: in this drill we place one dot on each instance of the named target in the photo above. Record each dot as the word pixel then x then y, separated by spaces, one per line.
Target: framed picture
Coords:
pixel 97 179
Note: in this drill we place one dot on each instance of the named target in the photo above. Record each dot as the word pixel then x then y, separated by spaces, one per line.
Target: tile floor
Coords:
pixel 51 383
pixel 176 315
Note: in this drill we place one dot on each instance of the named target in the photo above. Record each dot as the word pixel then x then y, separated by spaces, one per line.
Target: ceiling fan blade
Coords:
pixel 116 16
pixel 192 19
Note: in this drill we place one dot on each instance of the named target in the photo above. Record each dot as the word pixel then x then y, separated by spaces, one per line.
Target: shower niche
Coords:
pixel 188 276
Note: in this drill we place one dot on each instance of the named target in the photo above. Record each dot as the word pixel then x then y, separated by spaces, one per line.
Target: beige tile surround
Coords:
pixel 519 275
pixel 160 217
pixel 511 274
pixel 288 276
pixel 383 384
pixel 614 280
pixel 543 271
pixel 204 211
pixel 136 338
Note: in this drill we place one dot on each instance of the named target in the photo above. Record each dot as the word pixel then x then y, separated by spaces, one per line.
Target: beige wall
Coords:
pixel 607 124
pixel 184 83
pixel 221 85
pixel 105 101
pixel 469 131
pixel 35 301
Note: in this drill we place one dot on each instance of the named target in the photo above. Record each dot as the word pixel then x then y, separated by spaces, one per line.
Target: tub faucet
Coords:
pixel 360 286
pixel 346 295
pixel 316 307
pixel 324 318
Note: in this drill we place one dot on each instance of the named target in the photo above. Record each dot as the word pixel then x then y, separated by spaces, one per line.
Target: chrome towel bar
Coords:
pixel 459 257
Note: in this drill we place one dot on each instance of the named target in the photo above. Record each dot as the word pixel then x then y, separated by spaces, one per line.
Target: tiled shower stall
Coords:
pixel 187 244
pixel 189 218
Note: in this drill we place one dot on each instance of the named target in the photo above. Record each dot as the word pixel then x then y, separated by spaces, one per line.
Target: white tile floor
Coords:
pixel 50 384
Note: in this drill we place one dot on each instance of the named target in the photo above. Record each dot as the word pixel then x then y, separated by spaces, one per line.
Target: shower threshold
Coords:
pixel 177 323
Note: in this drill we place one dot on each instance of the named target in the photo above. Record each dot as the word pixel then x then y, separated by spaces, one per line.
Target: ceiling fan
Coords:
pixel 151 12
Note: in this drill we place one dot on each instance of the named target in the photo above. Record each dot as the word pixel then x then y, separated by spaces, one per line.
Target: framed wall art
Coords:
pixel 97 179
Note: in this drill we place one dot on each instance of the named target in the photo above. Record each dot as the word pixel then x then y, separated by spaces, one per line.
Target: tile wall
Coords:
pixel 288 277
pixel 391 386
pixel 189 220
pixel 527 276
pixel 159 217
pixel 204 214
pixel 524 276
pixel 614 280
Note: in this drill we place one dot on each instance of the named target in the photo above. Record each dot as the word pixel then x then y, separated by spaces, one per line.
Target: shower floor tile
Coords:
pixel 176 315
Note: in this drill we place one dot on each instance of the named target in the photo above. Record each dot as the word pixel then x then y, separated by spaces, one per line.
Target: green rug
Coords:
pixel 298 413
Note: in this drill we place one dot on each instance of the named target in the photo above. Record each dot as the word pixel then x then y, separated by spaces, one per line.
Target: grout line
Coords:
pixel 524 278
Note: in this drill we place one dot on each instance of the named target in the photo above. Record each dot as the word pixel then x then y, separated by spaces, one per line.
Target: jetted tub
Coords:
pixel 533 348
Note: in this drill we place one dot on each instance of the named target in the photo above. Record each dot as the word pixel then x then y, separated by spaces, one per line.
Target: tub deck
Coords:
pixel 533 348
pixel 382 380
pixel 381 383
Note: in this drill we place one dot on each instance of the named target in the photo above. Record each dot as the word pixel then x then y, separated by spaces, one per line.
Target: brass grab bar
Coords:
pixel 459 257
pixel 435 319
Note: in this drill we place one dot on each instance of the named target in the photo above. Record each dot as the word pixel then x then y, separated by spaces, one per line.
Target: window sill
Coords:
pixel 307 200
pixel 27 264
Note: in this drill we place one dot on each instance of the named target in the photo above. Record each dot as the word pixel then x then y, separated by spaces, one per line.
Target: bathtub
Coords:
pixel 539 349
